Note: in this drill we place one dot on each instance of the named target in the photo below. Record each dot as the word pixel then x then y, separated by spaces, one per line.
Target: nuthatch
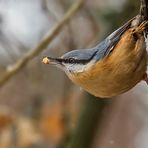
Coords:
pixel 115 65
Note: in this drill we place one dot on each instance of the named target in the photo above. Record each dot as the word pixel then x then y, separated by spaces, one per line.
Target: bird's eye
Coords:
pixel 71 60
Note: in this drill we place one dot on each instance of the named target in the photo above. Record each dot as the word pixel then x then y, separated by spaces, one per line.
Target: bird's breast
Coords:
pixel 118 72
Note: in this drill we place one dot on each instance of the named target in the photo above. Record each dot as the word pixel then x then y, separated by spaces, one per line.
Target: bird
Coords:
pixel 113 66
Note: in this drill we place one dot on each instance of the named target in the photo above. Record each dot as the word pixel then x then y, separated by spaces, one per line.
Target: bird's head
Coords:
pixel 74 62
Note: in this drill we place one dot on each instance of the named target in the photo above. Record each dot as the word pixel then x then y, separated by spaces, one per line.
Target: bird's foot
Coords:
pixel 146 78
pixel 141 28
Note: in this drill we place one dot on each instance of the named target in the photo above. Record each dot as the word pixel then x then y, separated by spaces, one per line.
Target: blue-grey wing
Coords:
pixel 105 47
pixel 102 49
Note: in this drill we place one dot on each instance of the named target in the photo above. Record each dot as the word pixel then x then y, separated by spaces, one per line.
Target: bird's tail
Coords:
pixel 144 10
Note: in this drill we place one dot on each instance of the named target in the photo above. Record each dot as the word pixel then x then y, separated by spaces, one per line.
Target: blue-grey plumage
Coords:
pixel 115 65
pixel 102 49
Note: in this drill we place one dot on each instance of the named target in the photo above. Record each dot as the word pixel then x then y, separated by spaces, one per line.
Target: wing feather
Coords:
pixel 105 47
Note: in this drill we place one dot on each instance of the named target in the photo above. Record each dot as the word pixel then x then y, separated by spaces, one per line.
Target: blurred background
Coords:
pixel 39 106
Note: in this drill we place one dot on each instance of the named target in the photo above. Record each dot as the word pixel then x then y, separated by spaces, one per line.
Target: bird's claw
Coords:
pixel 141 28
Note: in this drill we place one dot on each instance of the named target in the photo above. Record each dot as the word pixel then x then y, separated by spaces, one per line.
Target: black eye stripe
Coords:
pixel 71 60
pixel 76 61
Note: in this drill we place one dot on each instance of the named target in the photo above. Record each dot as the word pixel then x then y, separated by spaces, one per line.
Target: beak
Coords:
pixel 50 60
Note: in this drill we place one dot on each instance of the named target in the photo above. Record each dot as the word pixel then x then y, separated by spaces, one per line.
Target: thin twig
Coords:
pixel 13 69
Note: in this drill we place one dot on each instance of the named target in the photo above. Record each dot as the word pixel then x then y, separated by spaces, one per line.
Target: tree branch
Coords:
pixel 13 69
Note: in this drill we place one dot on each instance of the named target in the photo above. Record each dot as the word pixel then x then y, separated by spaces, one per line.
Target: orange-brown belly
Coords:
pixel 112 81
pixel 117 73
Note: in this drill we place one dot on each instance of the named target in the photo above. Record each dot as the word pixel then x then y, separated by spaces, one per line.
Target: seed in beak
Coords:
pixel 45 60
